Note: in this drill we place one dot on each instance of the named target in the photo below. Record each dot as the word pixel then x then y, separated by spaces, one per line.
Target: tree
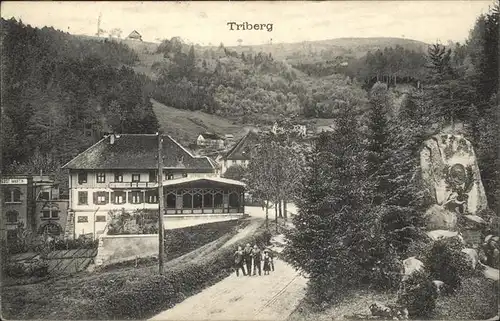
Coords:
pixel 378 136
pixel 236 172
pixel 329 234
pixel 190 62
pixel 115 32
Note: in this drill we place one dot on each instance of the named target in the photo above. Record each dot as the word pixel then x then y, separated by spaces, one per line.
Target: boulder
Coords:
pixel 472 255
pixel 410 265
pixel 442 234
pixel 475 220
pixel 439 218
pixel 451 174
pixel 439 285
pixel 491 273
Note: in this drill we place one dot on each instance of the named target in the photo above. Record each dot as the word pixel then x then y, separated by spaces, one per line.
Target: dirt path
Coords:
pixel 267 297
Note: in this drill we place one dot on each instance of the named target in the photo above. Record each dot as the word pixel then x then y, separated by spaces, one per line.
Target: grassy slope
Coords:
pixel 186 125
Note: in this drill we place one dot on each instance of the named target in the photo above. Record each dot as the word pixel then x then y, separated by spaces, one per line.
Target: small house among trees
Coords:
pixel 210 140
pixel 134 35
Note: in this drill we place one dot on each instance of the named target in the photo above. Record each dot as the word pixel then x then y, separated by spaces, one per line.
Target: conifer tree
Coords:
pixel 378 136
pixel 325 242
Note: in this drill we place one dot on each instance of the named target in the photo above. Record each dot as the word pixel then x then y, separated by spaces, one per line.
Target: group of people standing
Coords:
pixel 245 257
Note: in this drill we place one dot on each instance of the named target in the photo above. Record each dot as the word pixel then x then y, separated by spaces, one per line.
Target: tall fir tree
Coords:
pixel 378 139
pixel 329 236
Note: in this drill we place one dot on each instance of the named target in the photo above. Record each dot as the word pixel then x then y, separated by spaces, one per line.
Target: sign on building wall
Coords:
pixel 14 181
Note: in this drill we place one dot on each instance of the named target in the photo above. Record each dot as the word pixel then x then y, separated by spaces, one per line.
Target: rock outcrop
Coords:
pixel 451 174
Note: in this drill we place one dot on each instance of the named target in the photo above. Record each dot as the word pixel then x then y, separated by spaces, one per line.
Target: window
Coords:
pixel 101 198
pixel 100 218
pixel 12 217
pixel 101 177
pixel 152 196
pixel 171 201
pixel 218 200
pixel 47 214
pixel 234 200
pixel 118 177
pixel 197 201
pixel 208 200
pixel 170 176
pixel 187 201
pixel 45 196
pixel 13 195
pixel 135 197
pixel 83 219
pixel 136 178
pixel 119 197
pixel 82 198
pixel 152 176
pixel 82 178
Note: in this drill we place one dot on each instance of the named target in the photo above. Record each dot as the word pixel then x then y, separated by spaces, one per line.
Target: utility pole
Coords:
pixel 160 203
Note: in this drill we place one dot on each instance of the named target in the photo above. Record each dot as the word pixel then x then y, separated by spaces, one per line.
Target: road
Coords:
pixel 266 297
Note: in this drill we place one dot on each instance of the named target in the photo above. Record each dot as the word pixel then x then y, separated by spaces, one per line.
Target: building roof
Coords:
pixel 137 151
pixel 134 34
pixel 196 179
pixel 211 136
pixel 240 151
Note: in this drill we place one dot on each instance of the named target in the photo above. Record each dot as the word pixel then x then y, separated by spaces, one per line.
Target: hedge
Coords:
pixel 146 296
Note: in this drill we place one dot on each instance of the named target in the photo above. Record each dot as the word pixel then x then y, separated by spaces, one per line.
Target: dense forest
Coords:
pixel 58 91
pixel 253 87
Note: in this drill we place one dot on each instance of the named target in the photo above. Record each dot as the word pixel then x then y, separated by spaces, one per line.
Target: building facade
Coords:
pixel 17 205
pixel 210 140
pixel 239 154
pixel 51 209
pixel 120 172
pixel 32 203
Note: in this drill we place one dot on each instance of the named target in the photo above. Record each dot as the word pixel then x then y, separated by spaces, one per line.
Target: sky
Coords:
pixel 295 21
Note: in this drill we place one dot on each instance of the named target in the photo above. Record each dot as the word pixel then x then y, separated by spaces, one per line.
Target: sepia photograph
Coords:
pixel 250 160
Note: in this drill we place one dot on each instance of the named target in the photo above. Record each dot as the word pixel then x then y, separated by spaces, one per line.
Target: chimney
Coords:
pixel 112 139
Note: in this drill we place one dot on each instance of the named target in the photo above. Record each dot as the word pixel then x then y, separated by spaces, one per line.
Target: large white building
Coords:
pixel 120 172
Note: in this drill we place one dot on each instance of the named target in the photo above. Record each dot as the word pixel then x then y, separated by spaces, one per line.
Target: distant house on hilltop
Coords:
pixel 134 35
pixel 210 140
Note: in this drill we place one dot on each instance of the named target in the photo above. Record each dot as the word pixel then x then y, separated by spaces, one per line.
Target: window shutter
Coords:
pixel 113 198
pixel 95 197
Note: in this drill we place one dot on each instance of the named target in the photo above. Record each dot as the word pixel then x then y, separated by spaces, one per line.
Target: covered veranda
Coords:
pixel 191 201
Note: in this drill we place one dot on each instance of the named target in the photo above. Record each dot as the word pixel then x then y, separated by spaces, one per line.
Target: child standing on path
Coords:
pixel 267 263
pixel 257 256
pixel 238 261
pixel 271 260
pixel 247 257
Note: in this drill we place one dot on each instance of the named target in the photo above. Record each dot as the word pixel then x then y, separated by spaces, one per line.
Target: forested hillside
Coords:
pixel 58 91
pixel 249 87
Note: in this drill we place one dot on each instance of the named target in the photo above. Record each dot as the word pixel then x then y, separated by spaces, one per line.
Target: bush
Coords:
pixel 181 241
pixel 150 295
pixel 418 295
pixel 36 267
pixel 445 261
pixel 476 299
pixel 80 243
